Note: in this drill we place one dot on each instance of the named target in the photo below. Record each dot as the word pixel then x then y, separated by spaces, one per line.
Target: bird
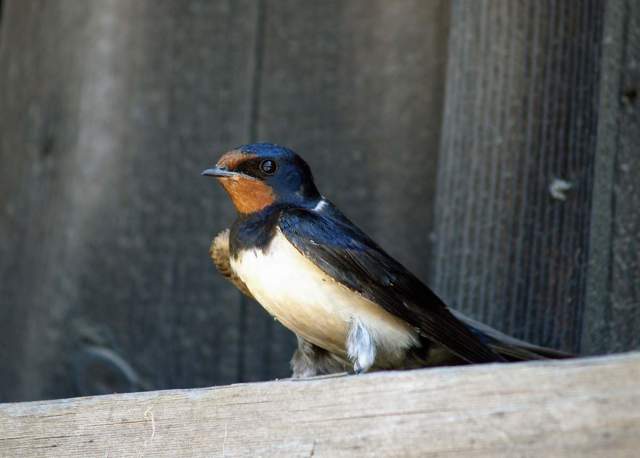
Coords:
pixel 351 305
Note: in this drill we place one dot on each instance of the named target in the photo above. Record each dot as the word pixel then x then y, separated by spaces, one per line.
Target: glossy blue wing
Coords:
pixel 349 256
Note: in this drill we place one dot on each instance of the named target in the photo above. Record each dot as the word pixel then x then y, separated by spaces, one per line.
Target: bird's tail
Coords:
pixel 508 347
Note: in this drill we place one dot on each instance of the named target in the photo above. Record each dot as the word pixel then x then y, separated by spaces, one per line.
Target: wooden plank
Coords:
pixel 517 162
pixel 110 109
pixel 625 243
pixel 357 89
pixel 581 408
pixel 612 310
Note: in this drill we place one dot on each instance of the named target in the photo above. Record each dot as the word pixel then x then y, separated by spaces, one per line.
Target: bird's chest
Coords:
pixel 305 299
pixel 295 291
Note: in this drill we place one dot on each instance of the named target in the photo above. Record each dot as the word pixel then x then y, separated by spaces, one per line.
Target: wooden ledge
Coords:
pixel 582 407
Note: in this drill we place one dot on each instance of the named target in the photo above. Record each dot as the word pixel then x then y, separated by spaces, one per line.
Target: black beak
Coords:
pixel 219 172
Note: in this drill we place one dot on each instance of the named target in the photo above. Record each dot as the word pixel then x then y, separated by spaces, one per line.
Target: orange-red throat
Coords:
pixel 248 194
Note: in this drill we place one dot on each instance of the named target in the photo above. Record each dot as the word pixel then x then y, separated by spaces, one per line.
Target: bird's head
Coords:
pixel 262 174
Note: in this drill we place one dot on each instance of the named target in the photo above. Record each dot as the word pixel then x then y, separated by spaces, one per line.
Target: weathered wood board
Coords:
pixel 612 311
pixel 582 407
pixel 537 203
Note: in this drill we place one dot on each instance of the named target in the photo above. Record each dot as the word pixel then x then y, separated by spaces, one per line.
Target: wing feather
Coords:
pixel 219 253
pixel 348 255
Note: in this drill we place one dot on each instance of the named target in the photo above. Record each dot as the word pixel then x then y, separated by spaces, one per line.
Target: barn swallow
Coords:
pixel 351 305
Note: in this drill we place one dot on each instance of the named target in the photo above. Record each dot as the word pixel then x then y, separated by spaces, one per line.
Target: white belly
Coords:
pixel 312 304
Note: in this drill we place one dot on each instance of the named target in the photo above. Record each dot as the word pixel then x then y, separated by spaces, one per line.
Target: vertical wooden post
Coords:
pixel 516 175
pixel 612 307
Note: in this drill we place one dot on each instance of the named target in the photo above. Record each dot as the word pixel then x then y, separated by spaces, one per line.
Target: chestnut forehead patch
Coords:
pixel 233 159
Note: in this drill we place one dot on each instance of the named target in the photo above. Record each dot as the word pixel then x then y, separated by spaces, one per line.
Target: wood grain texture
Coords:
pixel 581 408
pixel 612 310
pixel 520 123
pixel 625 244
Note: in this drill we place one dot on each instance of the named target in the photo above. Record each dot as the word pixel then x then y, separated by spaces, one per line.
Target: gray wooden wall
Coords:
pixel 523 80
pixel 109 109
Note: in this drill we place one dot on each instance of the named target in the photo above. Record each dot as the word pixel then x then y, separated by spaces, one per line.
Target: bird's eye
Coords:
pixel 268 166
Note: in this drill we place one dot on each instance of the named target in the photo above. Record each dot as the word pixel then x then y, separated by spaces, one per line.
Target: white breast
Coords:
pixel 312 304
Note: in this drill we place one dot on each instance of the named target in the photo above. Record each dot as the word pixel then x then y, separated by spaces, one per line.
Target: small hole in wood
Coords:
pixel 47 146
pixel 630 96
